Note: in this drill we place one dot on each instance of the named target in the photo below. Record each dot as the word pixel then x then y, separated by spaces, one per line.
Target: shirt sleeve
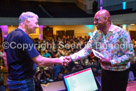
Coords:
pixel 85 51
pixel 126 47
pixel 29 47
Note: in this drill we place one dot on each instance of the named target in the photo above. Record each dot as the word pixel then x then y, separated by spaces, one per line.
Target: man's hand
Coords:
pixel 105 61
pixel 68 59
pixel 65 60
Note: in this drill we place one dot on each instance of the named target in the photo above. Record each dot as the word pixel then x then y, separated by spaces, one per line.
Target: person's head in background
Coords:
pixel 102 20
pixel 46 51
pixel 28 22
pixel 41 69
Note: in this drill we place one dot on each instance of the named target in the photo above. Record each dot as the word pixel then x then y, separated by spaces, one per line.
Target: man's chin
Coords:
pixel 98 28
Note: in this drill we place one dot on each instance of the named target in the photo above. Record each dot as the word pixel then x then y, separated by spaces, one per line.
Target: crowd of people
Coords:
pixel 55 47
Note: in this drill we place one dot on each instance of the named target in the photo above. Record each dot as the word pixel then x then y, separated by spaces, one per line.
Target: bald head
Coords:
pixel 103 13
pixel 102 20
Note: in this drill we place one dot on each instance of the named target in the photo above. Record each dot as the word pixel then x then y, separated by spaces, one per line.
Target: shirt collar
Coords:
pixel 111 28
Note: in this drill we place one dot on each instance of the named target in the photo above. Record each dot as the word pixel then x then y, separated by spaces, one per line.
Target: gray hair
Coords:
pixel 26 15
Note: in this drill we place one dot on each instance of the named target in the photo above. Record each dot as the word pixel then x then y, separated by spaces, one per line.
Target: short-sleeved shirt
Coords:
pixel 20 52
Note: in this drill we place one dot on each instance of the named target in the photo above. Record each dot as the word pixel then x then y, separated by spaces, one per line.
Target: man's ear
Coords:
pixel 26 21
pixel 106 19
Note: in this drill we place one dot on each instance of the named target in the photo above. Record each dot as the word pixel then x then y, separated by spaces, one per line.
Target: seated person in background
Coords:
pixel 77 68
pixel 38 82
pixel 42 76
pixel 47 54
pixel 96 68
pixel 49 74
pixel 57 69
pixel 71 65
pixel 60 53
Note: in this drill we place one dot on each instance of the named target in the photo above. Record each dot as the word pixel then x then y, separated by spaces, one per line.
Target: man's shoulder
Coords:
pixel 16 33
pixel 95 32
pixel 117 28
pixel 20 33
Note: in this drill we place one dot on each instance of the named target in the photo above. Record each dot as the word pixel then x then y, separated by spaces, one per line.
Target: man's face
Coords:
pixel 46 51
pixel 32 24
pixel 99 22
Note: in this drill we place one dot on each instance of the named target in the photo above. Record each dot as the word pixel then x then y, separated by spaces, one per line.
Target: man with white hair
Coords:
pixel 21 56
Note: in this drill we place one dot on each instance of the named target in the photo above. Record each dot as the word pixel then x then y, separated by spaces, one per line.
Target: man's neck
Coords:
pixel 106 29
pixel 22 28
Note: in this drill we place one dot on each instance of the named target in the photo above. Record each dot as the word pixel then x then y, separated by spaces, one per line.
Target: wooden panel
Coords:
pixel 69 32
pixel 133 34
pixel 47 32
pixel 60 33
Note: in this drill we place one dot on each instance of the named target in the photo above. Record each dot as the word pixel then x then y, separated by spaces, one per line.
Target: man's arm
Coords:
pixel 43 61
pixel 81 54
pixel 84 52
pixel 127 50
pixel 4 55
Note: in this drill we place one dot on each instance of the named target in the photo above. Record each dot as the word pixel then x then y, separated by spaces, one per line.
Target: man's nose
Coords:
pixel 95 22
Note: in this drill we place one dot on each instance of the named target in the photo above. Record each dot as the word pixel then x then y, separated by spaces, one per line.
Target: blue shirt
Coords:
pixel 46 55
pixel 19 59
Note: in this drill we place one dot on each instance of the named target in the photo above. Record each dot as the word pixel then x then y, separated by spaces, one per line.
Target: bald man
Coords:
pixel 114 43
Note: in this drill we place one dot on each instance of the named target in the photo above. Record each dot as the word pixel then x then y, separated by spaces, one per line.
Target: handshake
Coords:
pixel 65 60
